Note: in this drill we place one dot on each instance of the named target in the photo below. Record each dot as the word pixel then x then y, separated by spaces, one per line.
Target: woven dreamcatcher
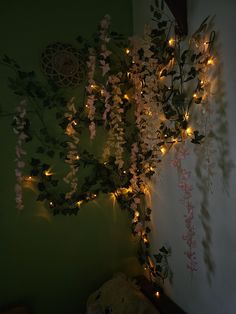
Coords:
pixel 62 64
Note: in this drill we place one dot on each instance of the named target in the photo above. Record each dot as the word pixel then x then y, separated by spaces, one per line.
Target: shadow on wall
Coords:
pixel 215 153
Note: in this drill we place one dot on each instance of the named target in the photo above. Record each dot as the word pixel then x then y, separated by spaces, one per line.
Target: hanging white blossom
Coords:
pixel 19 122
pixel 72 155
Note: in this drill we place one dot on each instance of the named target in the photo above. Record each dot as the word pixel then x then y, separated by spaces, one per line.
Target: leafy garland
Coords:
pixel 145 92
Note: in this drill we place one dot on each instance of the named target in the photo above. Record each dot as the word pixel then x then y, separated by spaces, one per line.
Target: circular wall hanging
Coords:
pixel 62 63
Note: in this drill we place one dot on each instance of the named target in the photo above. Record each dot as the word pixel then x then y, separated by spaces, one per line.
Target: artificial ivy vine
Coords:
pixel 142 93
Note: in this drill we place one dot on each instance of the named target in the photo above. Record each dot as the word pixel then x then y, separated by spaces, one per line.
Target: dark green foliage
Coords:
pixel 197 138
pixel 173 102
pixel 162 268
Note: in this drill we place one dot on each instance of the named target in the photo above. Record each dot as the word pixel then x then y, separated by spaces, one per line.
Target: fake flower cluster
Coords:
pixel 104 38
pixel 72 155
pixel 19 127
pixel 186 187
pixel 91 65
pixel 116 140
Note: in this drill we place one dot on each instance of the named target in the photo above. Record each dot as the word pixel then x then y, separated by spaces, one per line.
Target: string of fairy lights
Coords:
pixel 161 99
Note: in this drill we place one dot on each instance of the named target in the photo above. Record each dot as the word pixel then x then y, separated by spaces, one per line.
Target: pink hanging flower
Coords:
pixel 91 98
pixel 105 22
pixel 186 188
pixel 92 129
pixel 19 127
pixel 104 37
pixel 72 154
pixel 138 228
pixel 105 67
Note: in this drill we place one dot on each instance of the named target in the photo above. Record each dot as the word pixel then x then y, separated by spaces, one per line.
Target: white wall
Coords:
pixel 194 293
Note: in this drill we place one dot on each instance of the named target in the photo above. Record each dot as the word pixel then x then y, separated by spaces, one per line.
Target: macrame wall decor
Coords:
pixel 62 63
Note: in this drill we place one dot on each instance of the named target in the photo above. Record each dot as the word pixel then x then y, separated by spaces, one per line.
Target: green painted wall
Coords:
pixel 54 263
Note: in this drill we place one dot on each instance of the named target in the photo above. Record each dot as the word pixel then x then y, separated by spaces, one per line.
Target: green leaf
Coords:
pixel 192 72
pixel 203 26
pixel 165 273
pixel 184 124
pixel 184 55
pixel 198 55
pixel 162 24
pixel 193 57
pixel 34 172
pixel 189 78
pixel 41 186
pixel 197 138
pixel 159 269
pixel 6 59
pixel 169 112
pixel 45 167
pixel 178 100
pixel 149 211
pixel 34 162
pixel 176 78
pixel 173 72
pixel 157 15
pixel 158 257
pixel 162 5
pixel 198 100
pixel 164 250
pixel 141 53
